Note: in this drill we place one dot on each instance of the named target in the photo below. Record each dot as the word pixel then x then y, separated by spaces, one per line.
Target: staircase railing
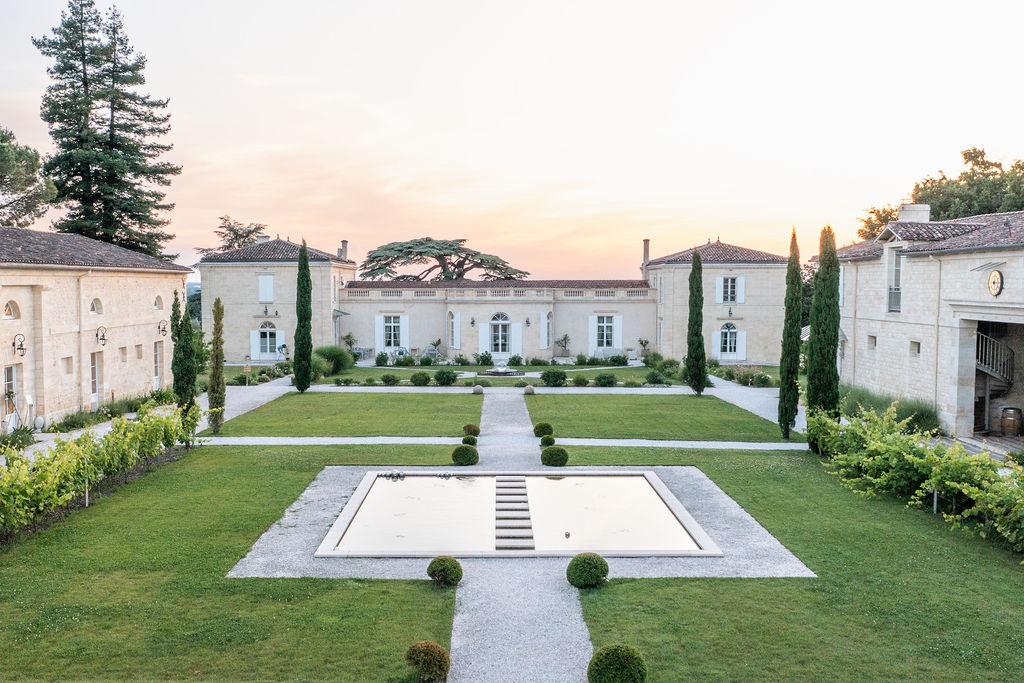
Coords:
pixel 995 357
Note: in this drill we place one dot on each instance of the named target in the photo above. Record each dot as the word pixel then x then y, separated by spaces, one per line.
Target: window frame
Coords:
pixel 500 333
pixel 730 289
pixel 729 343
pixel 605 331
pixel 392 331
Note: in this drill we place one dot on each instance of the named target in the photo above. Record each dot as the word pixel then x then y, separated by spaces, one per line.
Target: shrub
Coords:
pixel 922 414
pixel 471 430
pixel 631 384
pixel 381 360
pixel 405 362
pixel 430 660
pixel 469 440
pixel 617 359
pixel 617 664
pixel 539 361
pixel 580 381
pixel 515 360
pixel 554 456
pixel 547 440
pixel 420 379
pixel 319 368
pixel 343 381
pixel 369 381
pixel 581 359
pixel 587 570
pixel 605 379
pixel 520 383
pixel 465 455
pixel 389 380
pixel 445 571
pixel 482 382
pixel 653 359
pixel 17 439
pixel 669 366
pixel 426 361
pixel 286 366
pixel 460 360
pixel 553 378
pixel 445 378
pixel 998 510
pixel 483 358
pixel 339 358
pixel 655 377
pixel 543 429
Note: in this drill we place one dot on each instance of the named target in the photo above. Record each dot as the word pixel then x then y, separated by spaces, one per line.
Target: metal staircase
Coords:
pixel 995 359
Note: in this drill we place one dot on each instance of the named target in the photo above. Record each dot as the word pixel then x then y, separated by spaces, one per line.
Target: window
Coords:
pixel 95 374
pixel 96 307
pixel 158 304
pixel 499 333
pixel 872 341
pixel 728 290
pixel 392 330
pixel 123 352
pixel 729 339
pixel 138 351
pixel 549 330
pixel 158 364
pixel 915 348
pixel 11 311
pixel 896 281
pixel 10 397
pixel 268 338
pixel 451 330
pixel 605 331
pixel 266 289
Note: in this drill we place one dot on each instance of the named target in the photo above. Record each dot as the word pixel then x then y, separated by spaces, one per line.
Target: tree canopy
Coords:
pixel 234 235
pixel 24 193
pixel 440 259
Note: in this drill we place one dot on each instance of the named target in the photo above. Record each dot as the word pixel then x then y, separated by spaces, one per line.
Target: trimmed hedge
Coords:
pixel 430 660
pixel 605 379
pixel 553 378
pixel 465 455
pixel 469 440
pixel 587 570
pixel 547 440
pixel 420 379
pixel 445 377
pixel 445 571
pixel 617 664
pixel 471 430
pixel 554 456
pixel 543 429
pixel 340 359
pixel 580 381
pixel 389 380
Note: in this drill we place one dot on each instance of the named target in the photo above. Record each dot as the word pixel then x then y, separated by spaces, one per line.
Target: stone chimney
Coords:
pixel 915 213
pixel 343 250
pixel 647 258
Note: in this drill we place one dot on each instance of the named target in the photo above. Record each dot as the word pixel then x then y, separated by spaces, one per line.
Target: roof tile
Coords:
pixel 719 252
pixel 35 247
pixel 271 250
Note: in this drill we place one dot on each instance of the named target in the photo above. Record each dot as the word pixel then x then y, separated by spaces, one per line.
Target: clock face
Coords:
pixel 995 283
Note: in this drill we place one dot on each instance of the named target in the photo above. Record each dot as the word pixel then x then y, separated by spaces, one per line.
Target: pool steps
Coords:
pixel 513 529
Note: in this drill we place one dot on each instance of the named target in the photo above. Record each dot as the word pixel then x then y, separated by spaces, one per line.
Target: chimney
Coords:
pixel 647 258
pixel 260 239
pixel 915 213
pixel 343 250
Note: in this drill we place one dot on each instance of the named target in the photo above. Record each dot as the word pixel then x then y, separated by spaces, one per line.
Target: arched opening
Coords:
pixel 158 303
pixel 96 307
pixel 729 339
pixel 268 338
pixel 11 311
pixel 500 327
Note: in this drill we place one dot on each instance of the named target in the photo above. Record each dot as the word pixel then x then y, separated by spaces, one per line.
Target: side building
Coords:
pixel 83 323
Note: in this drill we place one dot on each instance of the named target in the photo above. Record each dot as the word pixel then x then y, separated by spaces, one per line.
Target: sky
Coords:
pixel 554 134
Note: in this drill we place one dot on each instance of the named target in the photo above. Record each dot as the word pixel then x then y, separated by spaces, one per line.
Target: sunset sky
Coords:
pixel 554 134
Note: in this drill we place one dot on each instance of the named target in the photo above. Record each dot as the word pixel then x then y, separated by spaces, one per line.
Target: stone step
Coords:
pixel 512 514
pixel 504 507
pixel 504 478
pixel 524 523
pixel 510 485
pixel 514 544
pixel 514 533
pixel 511 497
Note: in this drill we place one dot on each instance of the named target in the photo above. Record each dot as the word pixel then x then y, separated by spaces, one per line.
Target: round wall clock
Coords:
pixel 995 283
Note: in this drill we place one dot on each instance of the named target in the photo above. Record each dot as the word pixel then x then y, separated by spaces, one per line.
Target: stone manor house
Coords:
pixel 743 311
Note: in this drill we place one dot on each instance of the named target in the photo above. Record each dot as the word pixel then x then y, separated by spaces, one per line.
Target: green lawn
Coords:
pixel 899 595
pixel 671 416
pixel 637 455
pixel 354 414
pixel 134 587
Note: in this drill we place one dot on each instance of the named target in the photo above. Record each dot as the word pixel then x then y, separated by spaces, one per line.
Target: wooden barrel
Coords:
pixel 1011 421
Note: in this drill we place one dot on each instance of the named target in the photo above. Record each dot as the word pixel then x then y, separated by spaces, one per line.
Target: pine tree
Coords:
pixel 695 372
pixel 822 373
pixel 303 330
pixel 789 363
pixel 24 194
pixel 216 390
pixel 106 166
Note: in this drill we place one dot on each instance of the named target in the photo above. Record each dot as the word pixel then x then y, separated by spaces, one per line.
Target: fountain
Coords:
pixel 502 371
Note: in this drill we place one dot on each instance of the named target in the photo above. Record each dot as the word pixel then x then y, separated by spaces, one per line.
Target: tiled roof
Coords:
pixel 719 252
pixel 498 284
pixel 860 250
pixel 18 245
pixel 970 233
pixel 931 232
pixel 271 250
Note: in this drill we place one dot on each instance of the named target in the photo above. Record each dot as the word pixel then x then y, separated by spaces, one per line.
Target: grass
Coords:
pixel 671 416
pixel 638 455
pixel 353 414
pixel 134 587
pixel 898 595
pixel 922 414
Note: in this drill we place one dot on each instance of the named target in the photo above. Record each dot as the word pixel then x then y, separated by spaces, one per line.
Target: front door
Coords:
pixel 158 364
pixel 10 397
pixel 95 377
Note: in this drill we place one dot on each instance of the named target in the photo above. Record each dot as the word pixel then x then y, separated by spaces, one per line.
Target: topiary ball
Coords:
pixel 554 456
pixel 543 429
pixel 471 430
pixel 445 571
pixel 430 660
pixel 470 440
pixel 617 664
pixel 465 455
pixel 547 440
pixel 587 570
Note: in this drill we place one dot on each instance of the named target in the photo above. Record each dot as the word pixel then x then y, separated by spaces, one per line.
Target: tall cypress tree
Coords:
pixel 822 373
pixel 695 372
pixel 789 363
pixel 216 390
pixel 303 329
pixel 175 318
pixel 105 168
pixel 183 364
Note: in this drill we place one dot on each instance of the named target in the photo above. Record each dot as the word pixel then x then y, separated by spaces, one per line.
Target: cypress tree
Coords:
pixel 183 364
pixel 789 363
pixel 303 330
pixel 822 373
pixel 695 372
pixel 175 317
pixel 216 390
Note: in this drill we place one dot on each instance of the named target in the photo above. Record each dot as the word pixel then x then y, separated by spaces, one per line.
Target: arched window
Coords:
pixel 268 338
pixel 499 333
pixel 11 311
pixel 451 330
pixel 158 304
pixel 729 338
pixel 96 307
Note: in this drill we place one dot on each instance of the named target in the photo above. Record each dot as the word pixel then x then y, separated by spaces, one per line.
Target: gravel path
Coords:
pixel 506 433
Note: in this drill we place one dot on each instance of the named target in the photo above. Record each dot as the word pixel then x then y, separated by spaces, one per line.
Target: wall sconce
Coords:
pixel 472 322
pixel 101 336
pixel 527 321
pixel 19 344
pixel 161 328
pixel 730 311
pixel 266 310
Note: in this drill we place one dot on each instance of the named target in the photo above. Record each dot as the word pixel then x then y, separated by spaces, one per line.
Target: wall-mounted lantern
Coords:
pixel 19 344
pixel 527 321
pixel 161 328
pixel 472 322
pixel 101 336
pixel 266 310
